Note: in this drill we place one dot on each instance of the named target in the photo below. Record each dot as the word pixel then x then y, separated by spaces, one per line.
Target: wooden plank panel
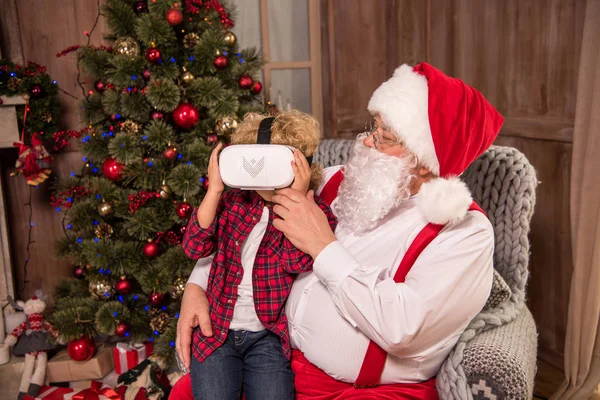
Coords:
pixel 550 265
pixel 411 33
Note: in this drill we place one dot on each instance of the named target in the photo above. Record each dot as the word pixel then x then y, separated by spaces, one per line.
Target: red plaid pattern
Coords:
pixel 276 264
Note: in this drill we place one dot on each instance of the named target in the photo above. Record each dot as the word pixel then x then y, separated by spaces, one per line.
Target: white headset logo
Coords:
pixel 253 167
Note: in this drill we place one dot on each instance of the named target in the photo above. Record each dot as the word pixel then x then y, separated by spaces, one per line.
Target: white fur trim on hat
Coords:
pixel 442 201
pixel 401 102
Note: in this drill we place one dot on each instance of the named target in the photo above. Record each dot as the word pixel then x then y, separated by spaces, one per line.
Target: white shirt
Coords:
pixel 351 296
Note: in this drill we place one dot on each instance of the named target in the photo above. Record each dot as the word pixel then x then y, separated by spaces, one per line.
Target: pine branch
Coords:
pixel 145 222
pixel 93 61
pixel 109 315
pixel 111 102
pixel 175 263
pixel 198 153
pixel 163 94
pixel 125 148
pixel 226 106
pixel 206 92
pixel 95 147
pixel 92 109
pixel 121 17
pixel 159 134
pixel 122 69
pixel 154 29
pixel 136 107
pixel 165 70
pixel 160 7
pixel 184 180
pixel 163 346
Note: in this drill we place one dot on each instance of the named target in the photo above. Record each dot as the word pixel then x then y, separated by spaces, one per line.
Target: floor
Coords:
pixel 548 379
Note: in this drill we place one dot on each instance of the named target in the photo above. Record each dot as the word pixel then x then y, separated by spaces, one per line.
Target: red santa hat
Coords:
pixel 446 123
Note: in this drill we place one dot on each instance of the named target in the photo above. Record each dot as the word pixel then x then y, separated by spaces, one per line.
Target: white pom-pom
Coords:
pixel 441 201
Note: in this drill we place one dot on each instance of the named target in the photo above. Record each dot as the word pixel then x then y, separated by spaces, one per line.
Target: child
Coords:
pixel 251 274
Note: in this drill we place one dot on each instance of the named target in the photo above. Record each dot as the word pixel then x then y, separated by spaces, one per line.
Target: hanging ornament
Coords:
pixel 170 153
pixel 191 40
pixel 146 74
pixel 33 161
pixel 36 91
pixel 158 320
pixel 14 83
pixel 187 77
pixel 174 16
pixel 123 286
pixel 99 86
pixel 153 55
pixel 212 139
pixel 101 289
pixel 178 287
pixel 46 116
pixel 221 62
pixel 81 349
pixel 226 125
pixel 182 230
pixel 205 183
pixel 184 210
pixel 130 127
pixel 157 115
pixel 114 117
pixel 105 209
pixel 156 298
pixel 140 7
pixel 78 272
pixel 256 87
pixel 127 46
pixel 164 192
pixel 112 169
pixel 151 249
pixel 122 329
pixel 245 81
pixel 103 230
pixel 230 38
pixel 185 115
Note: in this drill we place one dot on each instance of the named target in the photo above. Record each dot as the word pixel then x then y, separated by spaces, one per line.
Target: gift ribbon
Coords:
pixel 47 392
pixel 95 391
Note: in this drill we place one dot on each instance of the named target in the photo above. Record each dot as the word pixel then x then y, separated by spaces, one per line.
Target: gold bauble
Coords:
pixel 130 127
pixel 101 289
pixel 14 83
pixel 47 117
pixel 127 46
pixel 191 40
pixel 164 192
pixel 103 231
pixel 178 287
pixel 104 209
pixel 230 38
pixel 187 77
pixel 226 125
pixel 158 320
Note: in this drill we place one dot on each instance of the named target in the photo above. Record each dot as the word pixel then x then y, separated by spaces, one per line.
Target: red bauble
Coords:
pixel 185 115
pixel 182 230
pixel 140 7
pixel 205 183
pixel 153 55
pixel 99 86
pixel 1 102
pixel 156 299
pixel 256 87
pixel 174 17
pixel 114 117
pixel 220 62
pixel 123 286
pixel 36 91
pixel 184 210
pixel 78 272
pixel 112 169
pixel 81 349
pixel 146 74
pixel 157 115
pixel 212 139
pixel 151 249
pixel 170 153
pixel 245 82
pixel 122 329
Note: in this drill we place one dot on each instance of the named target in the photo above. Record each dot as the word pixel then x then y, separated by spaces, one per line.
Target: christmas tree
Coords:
pixel 172 85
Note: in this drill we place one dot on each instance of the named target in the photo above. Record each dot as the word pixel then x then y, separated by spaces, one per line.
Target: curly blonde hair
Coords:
pixel 291 128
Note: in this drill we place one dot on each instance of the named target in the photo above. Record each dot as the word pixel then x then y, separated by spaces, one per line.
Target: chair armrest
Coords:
pixel 501 363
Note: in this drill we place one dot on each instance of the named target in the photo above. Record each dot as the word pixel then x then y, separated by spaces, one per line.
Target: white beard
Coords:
pixel 374 184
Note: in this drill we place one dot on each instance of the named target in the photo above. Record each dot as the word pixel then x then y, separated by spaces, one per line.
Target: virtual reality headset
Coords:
pixel 261 166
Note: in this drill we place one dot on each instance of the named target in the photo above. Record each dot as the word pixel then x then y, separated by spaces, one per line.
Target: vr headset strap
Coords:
pixel 264 134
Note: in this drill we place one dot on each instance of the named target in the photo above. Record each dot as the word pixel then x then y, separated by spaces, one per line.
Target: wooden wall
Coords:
pixel 37 31
pixel 522 55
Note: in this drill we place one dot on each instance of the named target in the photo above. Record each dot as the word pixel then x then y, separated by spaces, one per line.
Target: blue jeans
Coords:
pixel 248 362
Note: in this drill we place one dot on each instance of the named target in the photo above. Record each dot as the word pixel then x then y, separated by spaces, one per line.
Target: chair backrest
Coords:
pixel 502 182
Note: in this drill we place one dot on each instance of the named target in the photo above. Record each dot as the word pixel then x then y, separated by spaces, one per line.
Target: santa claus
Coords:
pixel 410 263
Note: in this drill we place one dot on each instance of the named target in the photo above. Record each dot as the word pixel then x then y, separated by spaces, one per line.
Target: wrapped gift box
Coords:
pixel 61 368
pixel 51 393
pixel 127 355
pixel 96 391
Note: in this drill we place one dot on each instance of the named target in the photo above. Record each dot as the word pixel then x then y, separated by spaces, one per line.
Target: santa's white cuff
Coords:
pixel 334 264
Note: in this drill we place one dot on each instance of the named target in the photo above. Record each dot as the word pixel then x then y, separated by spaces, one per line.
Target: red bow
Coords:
pixel 94 392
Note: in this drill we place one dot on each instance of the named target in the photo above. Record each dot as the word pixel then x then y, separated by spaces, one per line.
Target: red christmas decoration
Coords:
pixel 99 86
pixel 78 272
pixel 36 91
pixel 151 249
pixel 212 139
pixel 156 298
pixel 170 153
pixel 169 237
pixel 153 55
pixel 140 7
pixel 256 87
pixel 245 81
pixel 146 74
pixel 1 102
pixel 182 230
pixel 205 183
pixel 139 199
pixel 221 62
pixel 174 16
pixel 112 169
pixel 61 138
pixel 65 198
pixel 157 115
pixel 123 286
pixel 122 329
pixel 114 117
pixel 184 210
pixel 185 115
pixel 81 349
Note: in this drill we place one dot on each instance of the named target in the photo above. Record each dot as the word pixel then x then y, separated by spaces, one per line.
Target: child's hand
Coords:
pixel 215 183
pixel 301 172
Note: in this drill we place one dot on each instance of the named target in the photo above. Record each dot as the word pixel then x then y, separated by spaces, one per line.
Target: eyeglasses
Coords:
pixel 378 137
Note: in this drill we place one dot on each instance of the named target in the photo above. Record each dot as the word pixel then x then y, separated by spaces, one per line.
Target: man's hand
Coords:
pixel 194 311
pixel 302 221
pixel 301 172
